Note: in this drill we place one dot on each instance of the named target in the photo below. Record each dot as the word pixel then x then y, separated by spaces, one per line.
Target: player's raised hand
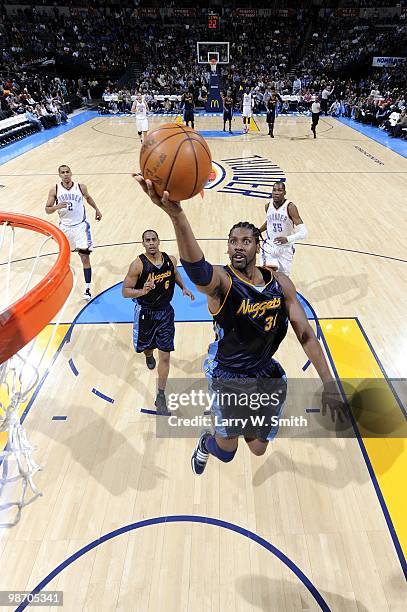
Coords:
pixel 170 207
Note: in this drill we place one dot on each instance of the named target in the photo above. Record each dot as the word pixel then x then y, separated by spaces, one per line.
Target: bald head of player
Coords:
pixel 151 242
pixel 278 194
pixel 243 245
pixel 65 173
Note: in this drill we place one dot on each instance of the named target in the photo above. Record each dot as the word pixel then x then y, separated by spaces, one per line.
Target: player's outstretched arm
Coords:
pixel 331 397
pixel 213 281
pixel 179 281
pixel 303 329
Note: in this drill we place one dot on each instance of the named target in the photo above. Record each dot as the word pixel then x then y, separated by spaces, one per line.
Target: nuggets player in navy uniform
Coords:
pixel 150 282
pixel 251 307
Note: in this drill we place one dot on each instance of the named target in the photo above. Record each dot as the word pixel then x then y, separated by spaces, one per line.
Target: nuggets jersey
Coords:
pixel 164 280
pixel 141 110
pixel 75 212
pixel 279 222
pixel 249 326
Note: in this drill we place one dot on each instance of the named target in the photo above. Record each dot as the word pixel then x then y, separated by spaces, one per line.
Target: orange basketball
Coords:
pixel 176 159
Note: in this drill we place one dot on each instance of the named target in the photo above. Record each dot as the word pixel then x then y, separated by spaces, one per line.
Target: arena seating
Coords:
pixel 15 128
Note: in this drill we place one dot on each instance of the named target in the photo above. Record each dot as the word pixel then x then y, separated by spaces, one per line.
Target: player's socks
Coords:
pixel 206 446
pixel 150 362
pixel 214 449
pixel 87 272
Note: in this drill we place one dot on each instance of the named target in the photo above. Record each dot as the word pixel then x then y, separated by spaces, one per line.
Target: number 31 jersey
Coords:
pixel 250 324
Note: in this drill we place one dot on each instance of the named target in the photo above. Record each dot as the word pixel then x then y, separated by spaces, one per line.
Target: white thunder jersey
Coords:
pixel 247 102
pixel 141 110
pixel 279 222
pixel 75 212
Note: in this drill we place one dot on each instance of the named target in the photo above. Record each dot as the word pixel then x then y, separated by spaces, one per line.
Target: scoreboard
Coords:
pixel 213 21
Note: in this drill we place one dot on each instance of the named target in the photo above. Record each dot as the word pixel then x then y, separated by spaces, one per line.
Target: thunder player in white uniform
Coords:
pixel 247 107
pixel 284 227
pixel 67 198
pixel 140 108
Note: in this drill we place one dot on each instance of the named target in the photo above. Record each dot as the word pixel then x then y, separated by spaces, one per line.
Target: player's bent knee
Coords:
pixel 164 356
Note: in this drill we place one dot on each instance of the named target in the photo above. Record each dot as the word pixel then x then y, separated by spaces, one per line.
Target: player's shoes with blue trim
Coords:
pixel 200 455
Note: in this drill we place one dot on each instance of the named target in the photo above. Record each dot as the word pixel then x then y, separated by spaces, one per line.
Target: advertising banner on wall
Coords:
pixel 388 61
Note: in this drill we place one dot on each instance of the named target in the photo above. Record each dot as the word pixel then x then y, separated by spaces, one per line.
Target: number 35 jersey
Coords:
pixel 279 222
pixel 249 326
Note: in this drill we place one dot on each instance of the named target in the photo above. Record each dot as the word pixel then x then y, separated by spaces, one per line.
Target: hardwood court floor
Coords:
pixel 312 501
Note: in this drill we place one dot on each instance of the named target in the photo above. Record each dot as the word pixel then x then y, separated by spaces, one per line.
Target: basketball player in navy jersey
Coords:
pixel 150 282
pixel 227 111
pixel 251 307
pixel 67 198
pixel 189 106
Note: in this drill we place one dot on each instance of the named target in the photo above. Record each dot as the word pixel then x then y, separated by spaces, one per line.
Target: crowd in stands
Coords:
pixel 265 54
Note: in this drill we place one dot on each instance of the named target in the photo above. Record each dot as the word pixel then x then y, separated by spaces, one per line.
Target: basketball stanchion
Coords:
pixel 23 349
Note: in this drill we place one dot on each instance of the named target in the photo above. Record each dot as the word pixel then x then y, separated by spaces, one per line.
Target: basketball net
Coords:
pixel 213 63
pixel 19 377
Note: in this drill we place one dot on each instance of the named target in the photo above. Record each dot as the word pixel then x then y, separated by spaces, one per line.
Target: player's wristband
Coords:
pixel 199 272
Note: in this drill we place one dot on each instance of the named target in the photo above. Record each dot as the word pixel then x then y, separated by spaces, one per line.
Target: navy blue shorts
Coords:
pixel 258 397
pixel 153 329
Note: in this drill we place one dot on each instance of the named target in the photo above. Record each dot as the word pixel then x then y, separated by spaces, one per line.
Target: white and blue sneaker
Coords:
pixel 200 455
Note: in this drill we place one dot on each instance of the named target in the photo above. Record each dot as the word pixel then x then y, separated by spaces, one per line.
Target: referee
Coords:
pixel 316 111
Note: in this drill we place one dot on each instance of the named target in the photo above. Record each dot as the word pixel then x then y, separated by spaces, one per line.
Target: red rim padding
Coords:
pixel 24 319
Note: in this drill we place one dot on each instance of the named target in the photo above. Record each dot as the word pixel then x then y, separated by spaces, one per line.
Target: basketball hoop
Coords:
pixel 22 318
pixel 213 62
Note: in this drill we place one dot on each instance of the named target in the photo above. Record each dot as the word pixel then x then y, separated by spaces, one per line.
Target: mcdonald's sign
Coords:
pixel 214 103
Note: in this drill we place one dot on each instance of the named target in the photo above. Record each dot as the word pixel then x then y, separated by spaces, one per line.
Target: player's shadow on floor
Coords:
pixel 104 452
pixel 339 475
pixel 333 286
pixel 271 595
pixel 190 367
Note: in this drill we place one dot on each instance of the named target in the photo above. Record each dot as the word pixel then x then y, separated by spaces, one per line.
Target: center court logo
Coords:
pixel 216 175
pixel 251 177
